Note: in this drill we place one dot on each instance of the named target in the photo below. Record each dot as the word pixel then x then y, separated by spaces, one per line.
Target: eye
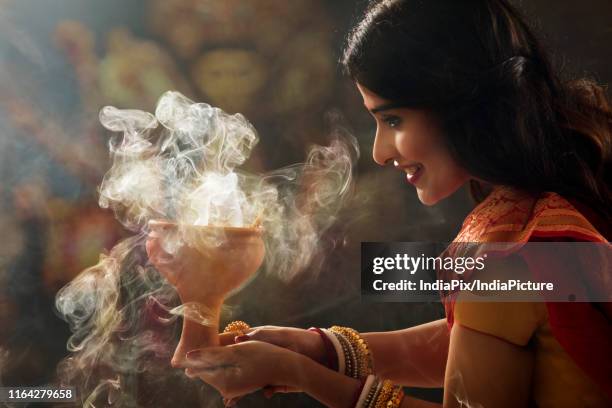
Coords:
pixel 392 121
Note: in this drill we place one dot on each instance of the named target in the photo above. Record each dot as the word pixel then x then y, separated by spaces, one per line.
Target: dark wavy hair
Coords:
pixel 508 117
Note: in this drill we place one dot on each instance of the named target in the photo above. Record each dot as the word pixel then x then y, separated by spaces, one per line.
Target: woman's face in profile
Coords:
pixel 413 142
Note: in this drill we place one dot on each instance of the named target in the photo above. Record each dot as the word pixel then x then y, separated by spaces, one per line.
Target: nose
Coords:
pixel 384 150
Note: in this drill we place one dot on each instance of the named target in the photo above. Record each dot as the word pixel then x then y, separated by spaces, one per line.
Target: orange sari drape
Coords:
pixel 508 215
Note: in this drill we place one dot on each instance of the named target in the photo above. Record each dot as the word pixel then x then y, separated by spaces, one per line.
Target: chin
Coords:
pixel 429 198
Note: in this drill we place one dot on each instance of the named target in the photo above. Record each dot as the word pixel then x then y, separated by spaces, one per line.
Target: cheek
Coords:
pixel 444 178
pixel 420 139
pixel 414 146
pixel 445 171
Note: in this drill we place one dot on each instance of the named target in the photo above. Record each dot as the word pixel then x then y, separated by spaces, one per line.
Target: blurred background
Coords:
pixel 275 61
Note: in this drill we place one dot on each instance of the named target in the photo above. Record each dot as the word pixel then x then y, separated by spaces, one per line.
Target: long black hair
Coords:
pixel 507 116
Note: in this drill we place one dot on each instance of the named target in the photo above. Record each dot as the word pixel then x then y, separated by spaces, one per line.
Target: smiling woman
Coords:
pixel 477 83
pixel 462 91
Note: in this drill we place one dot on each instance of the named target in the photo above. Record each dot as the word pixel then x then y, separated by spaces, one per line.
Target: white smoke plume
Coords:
pixel 181 164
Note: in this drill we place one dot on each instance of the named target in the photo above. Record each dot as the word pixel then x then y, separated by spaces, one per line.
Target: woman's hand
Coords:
pixel 243 368
pixel 305 342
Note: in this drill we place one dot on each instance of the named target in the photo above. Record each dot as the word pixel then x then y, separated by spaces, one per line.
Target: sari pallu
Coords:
pixel 507 220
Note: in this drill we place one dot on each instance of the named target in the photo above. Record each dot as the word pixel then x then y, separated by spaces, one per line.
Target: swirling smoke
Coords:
pixel 182 164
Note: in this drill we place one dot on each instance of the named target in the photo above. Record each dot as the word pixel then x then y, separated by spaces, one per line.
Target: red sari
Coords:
pixel 507 215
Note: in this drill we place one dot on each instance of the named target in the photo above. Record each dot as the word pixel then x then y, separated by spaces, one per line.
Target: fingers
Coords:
pixel 235 337
pixel 269 334
pixel 224 355
pixel 270 390
pixel 206 373
pixel 227 380
pixel 226 339
pixel 217 376
pixel 284 389
pixel 254 333
pixel 238 369
pixel 209 358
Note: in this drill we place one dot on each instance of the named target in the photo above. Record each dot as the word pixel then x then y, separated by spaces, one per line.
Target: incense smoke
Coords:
pixel 182 164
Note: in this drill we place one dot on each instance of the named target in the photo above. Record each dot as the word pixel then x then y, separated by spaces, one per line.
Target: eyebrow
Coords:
pixel 387 106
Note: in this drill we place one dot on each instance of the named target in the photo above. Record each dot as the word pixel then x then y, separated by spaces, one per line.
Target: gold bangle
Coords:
pixel 384 395
pixel 237 326
pixel 396 397
pixel 360 345
pixel 364 357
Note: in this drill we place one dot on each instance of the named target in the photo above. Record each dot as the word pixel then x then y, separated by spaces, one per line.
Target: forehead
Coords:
pixel 370 99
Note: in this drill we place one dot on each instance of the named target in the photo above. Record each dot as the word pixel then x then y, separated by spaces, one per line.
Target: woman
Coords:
pixel 462 92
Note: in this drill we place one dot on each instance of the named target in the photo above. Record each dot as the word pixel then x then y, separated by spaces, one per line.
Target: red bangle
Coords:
pixel 330 350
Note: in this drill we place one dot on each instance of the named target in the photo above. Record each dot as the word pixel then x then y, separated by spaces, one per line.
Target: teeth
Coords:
pixel 412 169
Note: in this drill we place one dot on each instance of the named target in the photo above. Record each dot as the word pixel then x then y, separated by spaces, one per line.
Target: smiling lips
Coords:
pixel 413 171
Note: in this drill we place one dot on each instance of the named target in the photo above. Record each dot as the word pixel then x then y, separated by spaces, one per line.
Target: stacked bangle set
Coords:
pixel 354 359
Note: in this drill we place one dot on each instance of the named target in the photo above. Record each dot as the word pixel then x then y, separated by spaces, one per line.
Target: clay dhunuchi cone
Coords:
pixel 213 262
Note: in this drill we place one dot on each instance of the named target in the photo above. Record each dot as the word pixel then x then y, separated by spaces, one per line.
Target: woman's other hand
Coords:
pixel 243 368
pixel 305 342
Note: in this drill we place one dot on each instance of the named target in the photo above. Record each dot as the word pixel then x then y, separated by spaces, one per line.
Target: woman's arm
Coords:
pixel 412 357
pixel 482 370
